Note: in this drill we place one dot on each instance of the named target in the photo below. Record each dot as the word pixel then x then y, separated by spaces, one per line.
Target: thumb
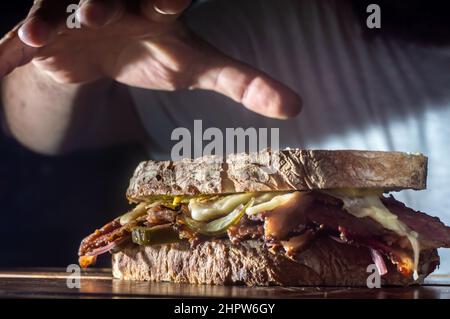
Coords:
pixel 243 83
pixel 13 52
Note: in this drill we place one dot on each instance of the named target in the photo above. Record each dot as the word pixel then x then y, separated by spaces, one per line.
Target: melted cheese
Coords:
pixel 269 203
pixel 372 207
pixel 205 210
pixel 202 210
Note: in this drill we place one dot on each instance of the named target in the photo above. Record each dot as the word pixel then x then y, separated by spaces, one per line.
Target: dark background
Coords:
pixel 48 204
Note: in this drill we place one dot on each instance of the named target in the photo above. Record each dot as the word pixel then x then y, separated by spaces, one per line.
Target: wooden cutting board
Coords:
pixel 98 283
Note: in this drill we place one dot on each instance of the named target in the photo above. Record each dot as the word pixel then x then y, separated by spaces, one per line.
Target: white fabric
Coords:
pixel 379 94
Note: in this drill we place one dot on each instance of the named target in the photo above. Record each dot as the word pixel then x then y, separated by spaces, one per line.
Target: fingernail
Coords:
pixel 161 7
pixel 170 7
pixel 35 32
pixel 161 11
pixel 23 34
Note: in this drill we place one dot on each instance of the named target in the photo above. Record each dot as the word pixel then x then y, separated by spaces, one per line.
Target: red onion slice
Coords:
pixel 379 261
pixel 104 249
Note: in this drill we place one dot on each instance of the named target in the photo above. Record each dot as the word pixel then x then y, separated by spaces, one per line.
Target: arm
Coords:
pixel 66 94
pixel 53 118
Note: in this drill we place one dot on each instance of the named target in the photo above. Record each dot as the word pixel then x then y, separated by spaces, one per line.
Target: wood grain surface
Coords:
pixel 98 283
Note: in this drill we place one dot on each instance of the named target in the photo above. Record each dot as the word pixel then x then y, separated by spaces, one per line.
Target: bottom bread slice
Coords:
pixel 325 263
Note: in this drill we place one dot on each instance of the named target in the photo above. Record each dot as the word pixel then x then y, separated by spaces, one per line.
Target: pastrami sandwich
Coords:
pixel 291 217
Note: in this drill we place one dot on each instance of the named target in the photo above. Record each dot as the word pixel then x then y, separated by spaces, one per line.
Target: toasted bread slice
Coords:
pixel 325 263
pixel 280 171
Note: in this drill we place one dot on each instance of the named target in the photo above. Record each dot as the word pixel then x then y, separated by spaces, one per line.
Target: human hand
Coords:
pixel 138 43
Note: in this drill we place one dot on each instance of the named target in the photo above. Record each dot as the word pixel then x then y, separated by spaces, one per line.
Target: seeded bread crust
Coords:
pixel 281 171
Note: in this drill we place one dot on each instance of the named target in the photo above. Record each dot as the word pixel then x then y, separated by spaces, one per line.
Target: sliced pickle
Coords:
pixel 157 235
pixel 217 226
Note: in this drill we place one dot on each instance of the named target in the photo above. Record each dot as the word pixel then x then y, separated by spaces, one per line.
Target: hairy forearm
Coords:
pixel 47 116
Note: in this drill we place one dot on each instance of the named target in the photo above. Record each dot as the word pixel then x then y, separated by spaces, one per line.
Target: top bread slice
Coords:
pixel 284 170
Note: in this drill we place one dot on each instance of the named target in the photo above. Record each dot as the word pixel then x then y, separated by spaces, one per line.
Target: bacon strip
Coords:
pixel 432 232
pixel 101 237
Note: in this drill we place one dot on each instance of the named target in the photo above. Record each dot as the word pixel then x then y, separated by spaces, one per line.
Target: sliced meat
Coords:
pixel 280 222
pixel 101 237
pixel 298 243
pixel 320 210
pixel 157 215
pixel 246 229
pixel 432 232
pixel 111 232
pixel 115 232
pixel 334 217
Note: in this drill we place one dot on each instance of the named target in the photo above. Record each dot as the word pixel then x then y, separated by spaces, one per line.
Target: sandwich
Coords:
pixel 290 217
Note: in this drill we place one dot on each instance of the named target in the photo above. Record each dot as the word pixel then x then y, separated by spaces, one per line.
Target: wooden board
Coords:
pixel 98 283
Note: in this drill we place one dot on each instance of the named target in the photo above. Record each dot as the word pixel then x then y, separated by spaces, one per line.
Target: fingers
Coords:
pixel 36 32
pixel 13 52
pixel 98 13
pixel 46 17
pixel 42 23
pixel 163 10
pixel 254 89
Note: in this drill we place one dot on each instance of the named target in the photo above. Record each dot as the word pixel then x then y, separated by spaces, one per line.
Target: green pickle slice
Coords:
pixel 218 226
pixel 157 235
